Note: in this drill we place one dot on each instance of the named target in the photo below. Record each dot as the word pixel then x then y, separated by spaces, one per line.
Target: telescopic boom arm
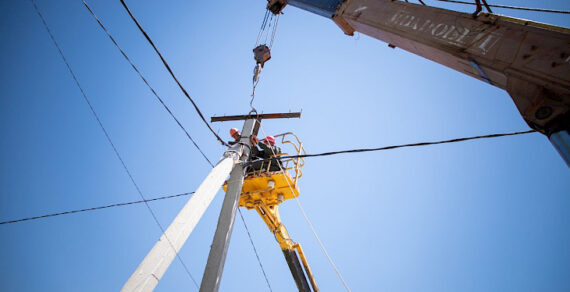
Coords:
pixel 530 60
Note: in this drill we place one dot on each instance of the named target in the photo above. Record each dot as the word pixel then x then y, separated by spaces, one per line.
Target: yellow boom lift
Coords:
pixel 264 190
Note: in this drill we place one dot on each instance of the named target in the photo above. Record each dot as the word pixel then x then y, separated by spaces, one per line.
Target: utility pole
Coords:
pixel 220 244
pixel 217 257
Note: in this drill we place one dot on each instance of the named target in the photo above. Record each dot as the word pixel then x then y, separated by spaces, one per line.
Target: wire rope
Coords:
pixel 109 138
pixel 274 31
pixel 263 24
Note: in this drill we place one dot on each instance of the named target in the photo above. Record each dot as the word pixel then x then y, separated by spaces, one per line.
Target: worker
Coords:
pixel 267 156
pixel 235 133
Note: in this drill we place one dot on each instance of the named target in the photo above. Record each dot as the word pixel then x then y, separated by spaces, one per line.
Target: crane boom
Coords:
pixel 530 60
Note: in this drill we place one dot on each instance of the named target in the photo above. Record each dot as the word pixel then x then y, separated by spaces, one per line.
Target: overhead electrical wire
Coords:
pixel 94 208
pixel 254 249
pixel 172 73
pixel 109 138
pixel 406 145
pixel 185 194
pixel 369 150
pixel 510 7
pixel 146 82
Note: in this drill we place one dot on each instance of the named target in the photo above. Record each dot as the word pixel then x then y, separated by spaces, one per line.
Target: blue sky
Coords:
pixel 488 215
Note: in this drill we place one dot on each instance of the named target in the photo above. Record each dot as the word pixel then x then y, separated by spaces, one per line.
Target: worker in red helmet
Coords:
pixel 269 140
pixel 268 156
pixel 235 133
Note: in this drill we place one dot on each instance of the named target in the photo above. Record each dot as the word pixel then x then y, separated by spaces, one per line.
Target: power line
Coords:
pixel 94 208
pixel 405 145
pixel 108 137
pixel 146 82
pixel 254 249
pixel 511 7
pixel 172 73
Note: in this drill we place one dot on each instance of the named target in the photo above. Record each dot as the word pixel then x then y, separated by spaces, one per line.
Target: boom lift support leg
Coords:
pixel 291 250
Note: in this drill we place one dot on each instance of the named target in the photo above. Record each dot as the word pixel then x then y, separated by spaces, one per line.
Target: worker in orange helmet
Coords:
pixel 268 155
pixel 235 133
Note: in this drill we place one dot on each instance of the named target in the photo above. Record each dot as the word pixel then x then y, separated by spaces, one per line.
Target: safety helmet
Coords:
pixel 234 131
pixel 270 140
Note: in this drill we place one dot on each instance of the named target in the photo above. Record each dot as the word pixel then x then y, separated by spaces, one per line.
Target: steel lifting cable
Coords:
pixel 263 24
pixel 139 191
pixel 268 28
pixel 274 31
pixel 311 225
pixel 256 70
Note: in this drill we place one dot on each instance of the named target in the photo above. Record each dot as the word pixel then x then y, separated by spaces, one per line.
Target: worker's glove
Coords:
pixel 253 139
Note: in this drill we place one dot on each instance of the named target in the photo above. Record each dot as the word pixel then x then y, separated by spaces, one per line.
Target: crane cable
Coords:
pixel 311 225
pixel 109 139
pixel 268 24
pixel 172 74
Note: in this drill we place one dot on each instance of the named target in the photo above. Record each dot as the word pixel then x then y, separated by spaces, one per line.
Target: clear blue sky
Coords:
pixel 488 215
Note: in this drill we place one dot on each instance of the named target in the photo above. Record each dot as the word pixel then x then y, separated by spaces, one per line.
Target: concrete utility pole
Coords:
pixel 217 257
pixel 530 60
pixel 221 242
